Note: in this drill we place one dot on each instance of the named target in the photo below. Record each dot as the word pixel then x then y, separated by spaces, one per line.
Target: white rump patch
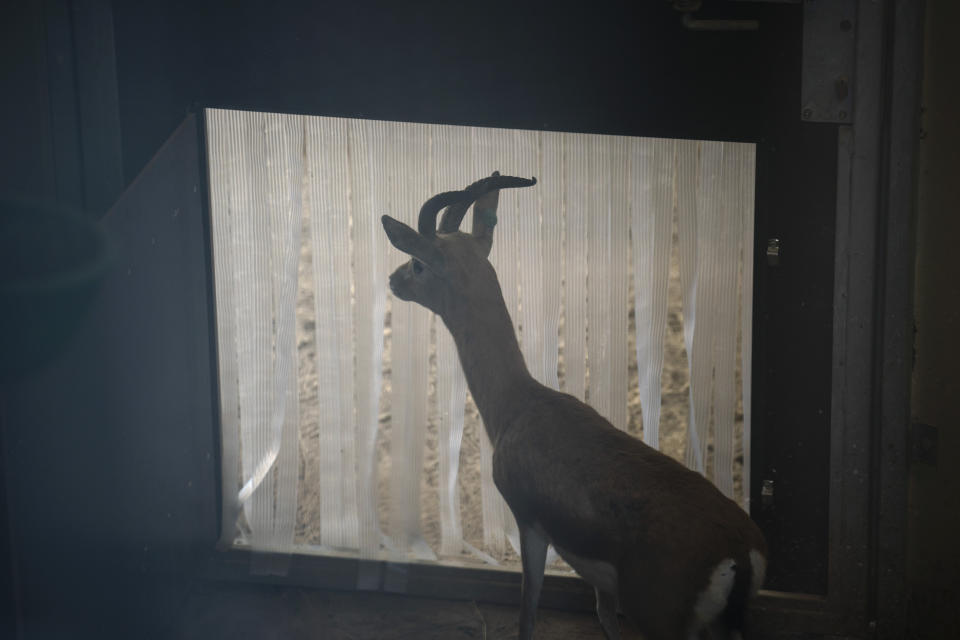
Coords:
pixel 759 565
pixel 712 600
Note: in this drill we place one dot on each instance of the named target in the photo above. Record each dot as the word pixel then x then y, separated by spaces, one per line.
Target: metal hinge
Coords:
pixel 766 493
pixel 773 251
pixel 829 46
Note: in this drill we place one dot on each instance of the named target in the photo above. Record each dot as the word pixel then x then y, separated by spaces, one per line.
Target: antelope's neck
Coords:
pixel 493 364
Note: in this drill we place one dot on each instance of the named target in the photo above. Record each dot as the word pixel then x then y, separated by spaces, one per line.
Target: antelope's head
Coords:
pixel 448 269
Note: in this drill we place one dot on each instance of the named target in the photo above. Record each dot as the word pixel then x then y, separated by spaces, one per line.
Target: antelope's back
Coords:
pixel 602 493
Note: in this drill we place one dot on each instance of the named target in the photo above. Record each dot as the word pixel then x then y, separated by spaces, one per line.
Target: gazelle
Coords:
pixel 651 536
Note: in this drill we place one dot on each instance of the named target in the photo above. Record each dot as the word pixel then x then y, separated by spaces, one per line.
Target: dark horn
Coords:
pixel 454 214
pixel 427 222
pixel 508 182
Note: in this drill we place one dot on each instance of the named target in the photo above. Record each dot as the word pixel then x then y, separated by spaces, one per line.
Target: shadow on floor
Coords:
pixel 265 612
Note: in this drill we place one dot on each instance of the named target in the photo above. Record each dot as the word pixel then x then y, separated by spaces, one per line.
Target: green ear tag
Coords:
pixel 488 217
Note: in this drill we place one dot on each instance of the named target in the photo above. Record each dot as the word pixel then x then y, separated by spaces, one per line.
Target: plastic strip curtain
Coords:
pixel 594 271
pixel 369 187
pixel 408 148
pixel 264 211
pixel 688 158
pixel 705 295
pixel 714 213
pixel 328 186
pixel 747 178
pixel 453 170
pixel 576 214
pixel 591 191
pixel 227 200
pixel 652 168
pixel 723 322
pixel 608 226
pixel 619 282
pixel 523 204
pixel 596 186
pixel 551 250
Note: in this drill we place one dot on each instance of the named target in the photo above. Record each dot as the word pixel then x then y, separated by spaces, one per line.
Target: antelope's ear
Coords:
pixel 409 241
pixel 401 236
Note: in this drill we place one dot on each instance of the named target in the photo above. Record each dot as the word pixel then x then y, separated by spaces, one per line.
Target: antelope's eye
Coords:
pixel 417 266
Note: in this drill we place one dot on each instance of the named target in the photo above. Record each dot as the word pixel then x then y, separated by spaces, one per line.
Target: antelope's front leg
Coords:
pixel 533 557
pixel 607 612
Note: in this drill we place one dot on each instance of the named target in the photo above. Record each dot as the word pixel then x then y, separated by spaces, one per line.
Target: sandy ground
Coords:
pixel 673 420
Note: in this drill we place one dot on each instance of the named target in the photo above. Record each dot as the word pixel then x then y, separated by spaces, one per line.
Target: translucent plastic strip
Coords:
pixel 451 395
pixel 254 320
pixel 618 260
pixel 652 168
pixel 747 177
pixel 453 169
pixel 283 138
pixel 244 262
pixel 550 193
pixel 267 242
pixel 596 186
pixel 370 199
pixel 725 231
pixel 505 255
pixel 223 203
pixel 606 297
pixel 709 293
pixel 688 172
pixel 702 356
pixel 344 223
pixel 575 264
pixel 409 153
pixel 288 188
pixel 530 315
pixel 257 403
pixel 328 158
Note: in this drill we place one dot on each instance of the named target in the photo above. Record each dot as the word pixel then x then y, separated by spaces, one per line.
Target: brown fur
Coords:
pixel 565 470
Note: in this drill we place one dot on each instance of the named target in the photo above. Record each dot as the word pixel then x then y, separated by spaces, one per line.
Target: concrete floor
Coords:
pixel 264 612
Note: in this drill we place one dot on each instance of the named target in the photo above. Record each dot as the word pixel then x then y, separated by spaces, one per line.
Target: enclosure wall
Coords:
pixel 934 520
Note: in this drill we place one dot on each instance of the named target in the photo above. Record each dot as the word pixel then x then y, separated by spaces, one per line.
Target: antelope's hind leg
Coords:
pixel 533 557
pixel 607 612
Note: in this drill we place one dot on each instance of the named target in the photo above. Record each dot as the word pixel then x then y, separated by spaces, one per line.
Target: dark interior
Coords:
pixel 110 487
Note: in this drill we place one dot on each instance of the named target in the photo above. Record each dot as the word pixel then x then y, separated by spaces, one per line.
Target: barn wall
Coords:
pixel 171 57
pixel 934 517
pixel 59 121
pixel 26 165
pixel 109 448
pixel 559 66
